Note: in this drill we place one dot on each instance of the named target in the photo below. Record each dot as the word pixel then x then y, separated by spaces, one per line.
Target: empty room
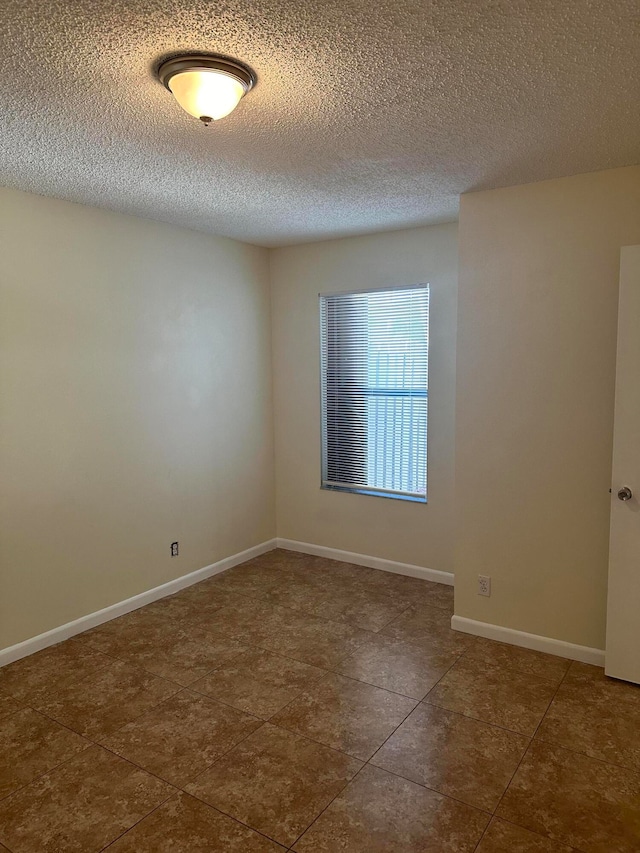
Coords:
pixel 319 446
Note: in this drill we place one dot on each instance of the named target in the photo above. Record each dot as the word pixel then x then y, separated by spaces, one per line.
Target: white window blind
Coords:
pixel 374 363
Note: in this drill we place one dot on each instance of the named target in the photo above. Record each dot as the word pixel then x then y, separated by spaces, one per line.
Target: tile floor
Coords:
pixel 298 703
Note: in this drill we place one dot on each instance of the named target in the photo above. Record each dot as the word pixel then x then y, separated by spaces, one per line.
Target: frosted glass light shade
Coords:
pixel 207 87
pixel 206 93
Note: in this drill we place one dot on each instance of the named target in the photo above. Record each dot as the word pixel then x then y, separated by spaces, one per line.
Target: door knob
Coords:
pixel 625 494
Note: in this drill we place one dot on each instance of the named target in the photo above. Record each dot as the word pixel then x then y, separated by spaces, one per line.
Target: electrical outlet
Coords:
pixel 484 585
pixel 174 549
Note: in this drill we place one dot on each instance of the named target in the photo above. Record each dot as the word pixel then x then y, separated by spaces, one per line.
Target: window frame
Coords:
pixel 325 483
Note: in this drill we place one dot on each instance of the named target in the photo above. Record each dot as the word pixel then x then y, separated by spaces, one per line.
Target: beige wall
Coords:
pixel 135 407
pixel 537 313
pixel 396 530
pixel 135 404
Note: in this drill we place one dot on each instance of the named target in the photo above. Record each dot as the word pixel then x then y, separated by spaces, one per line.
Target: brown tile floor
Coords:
pixel 296 703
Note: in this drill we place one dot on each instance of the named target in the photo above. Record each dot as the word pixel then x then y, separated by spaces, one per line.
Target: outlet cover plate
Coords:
pixel 484 585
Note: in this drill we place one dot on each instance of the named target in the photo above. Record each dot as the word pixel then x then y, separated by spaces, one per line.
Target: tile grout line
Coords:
pixel 262 597
pixel 325 745
pixel 171 794
pixel 554 682
pixel 297 734
pixel 475 719
pixel 428 788
pixel 456 713
pixel 247 647
pixel 256 646
pixel 122 834
pixel 90 743
pixel 543 837
pixel 180 789
pixel 367 763
pixel 357 681
pixel 524 754
pixel 397 775
pixel 339 793
pixel 256 598
pixel 182 688
pixel 25 702
pixel 209 672
pixel 627 767
pixel 40 775
pixel 91 738
pixel 218 758
pixel 234 819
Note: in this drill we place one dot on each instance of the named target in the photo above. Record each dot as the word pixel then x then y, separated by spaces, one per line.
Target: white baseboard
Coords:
pixel 364 560
pixel 70 629
pixel 584 654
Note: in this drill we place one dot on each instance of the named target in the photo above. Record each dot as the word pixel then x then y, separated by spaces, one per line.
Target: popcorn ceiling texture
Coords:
pixel 368 114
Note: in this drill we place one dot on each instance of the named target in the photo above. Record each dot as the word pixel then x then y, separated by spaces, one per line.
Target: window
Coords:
pixel 374 358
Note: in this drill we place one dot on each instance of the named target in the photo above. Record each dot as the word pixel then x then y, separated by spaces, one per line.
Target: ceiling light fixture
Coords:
pixel 207 87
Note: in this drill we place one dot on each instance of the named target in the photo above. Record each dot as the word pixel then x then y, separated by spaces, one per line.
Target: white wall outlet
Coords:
pixel 484 585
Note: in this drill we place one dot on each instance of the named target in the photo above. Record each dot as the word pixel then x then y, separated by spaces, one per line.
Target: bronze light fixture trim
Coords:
pixel 208 87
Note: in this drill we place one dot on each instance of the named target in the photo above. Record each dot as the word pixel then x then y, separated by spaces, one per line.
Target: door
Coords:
pixel 623 608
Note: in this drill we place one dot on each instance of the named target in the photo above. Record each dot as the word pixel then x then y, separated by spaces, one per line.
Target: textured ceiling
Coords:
pixel 368 114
